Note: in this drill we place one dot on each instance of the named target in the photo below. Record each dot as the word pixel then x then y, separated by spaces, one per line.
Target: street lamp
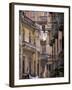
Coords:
pixel 43 35
pixel 44 56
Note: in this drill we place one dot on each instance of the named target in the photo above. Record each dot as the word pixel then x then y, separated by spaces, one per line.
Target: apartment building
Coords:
pixel 57 43
pixel 40 44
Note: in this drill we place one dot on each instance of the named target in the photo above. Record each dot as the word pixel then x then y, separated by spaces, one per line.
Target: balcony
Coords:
pixel 29 21
pixel 29 46
pixel 52 41
pixel 55 33
pixel 42 20
pixel 44 56
pixel 24 19
pixel 43 59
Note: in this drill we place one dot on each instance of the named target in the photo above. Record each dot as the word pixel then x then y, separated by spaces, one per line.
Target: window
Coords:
pixel 33 33
pixel 60 44
pixel 23 36
pixel 38 69
pixel 30 64
pixel 23 65
pixel 49 67
pixel 49 36
pixel 34 67
pixel 29 37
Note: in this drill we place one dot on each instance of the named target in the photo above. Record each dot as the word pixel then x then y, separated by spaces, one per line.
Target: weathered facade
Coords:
pixel 40 57
pixel 57 43
pixel 29 47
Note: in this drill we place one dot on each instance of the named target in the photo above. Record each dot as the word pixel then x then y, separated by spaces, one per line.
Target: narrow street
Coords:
pixel 41 44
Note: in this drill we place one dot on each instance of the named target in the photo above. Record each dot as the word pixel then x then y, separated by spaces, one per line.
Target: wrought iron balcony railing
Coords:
pixel 30 46
pixel 28 21
pixel 44 56
pixel 24 19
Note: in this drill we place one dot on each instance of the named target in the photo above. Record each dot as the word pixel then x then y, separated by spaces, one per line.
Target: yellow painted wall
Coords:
pixel 28 30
